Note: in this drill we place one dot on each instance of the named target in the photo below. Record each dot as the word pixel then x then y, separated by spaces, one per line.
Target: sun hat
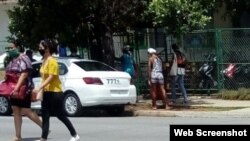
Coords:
pixel 151 50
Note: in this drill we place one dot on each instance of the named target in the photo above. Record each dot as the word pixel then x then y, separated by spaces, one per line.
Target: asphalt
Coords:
pixel 201 106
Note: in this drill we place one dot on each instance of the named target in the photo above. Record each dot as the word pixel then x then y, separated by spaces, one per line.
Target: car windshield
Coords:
pixel 94 66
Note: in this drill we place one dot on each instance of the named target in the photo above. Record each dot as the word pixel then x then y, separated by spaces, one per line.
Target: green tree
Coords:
pixel 234 9
pixel 65 20
pixel 180 16
pixel 79 23
pixel 109 17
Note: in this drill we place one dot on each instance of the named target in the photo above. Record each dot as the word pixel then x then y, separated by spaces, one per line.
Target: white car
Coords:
pixel 2 56
pixel 88 83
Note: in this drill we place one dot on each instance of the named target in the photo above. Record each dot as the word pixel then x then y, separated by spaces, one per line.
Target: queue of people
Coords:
pixel 156 77
pixel 19 63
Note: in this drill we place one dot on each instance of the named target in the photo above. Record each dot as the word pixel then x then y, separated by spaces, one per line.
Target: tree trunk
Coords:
pixel 102 46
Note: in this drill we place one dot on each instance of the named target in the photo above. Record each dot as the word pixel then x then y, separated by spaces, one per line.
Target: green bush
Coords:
pixel 247 97
pixel 240 94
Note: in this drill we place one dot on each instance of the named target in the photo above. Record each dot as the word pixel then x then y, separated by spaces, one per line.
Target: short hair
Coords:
pixel 175 46
pixel 50 44
pixel 29 52
pixel 18 45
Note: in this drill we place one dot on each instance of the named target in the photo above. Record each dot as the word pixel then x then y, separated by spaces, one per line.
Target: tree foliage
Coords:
pixel 235 9
pixel 32 21
pixel 74 22
pixel 180 16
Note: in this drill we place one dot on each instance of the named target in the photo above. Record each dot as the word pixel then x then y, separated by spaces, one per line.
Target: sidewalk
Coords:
pixel 236 108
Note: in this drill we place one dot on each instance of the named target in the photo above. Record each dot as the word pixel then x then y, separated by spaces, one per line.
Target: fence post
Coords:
pixel 219 58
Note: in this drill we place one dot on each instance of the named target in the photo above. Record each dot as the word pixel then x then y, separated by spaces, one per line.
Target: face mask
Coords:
pixel 14 53
pixel 41 51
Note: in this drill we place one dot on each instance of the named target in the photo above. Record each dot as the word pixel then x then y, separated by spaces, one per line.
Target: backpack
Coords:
pixel 180 59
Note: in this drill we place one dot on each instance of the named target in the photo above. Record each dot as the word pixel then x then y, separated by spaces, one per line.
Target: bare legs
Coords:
pixel 153 95
pixel 18 122
pixel 154 90
pixel 32 116
pixel 18 112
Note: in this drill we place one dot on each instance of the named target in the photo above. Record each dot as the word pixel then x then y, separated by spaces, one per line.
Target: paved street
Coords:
pixel 110 128
pixel 141 124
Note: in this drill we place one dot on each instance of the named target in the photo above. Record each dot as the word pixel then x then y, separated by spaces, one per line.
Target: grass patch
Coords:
pixel 240 94
pixel 203 108
pixel 147 106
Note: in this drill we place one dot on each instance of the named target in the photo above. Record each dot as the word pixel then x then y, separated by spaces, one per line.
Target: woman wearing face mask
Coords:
pixel 51 85
pixel 20 64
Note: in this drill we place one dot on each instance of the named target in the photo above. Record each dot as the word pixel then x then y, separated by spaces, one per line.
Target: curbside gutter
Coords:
pixel 241 113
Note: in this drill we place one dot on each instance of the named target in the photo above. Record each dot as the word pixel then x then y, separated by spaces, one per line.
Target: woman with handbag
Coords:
pixel 177 73
pixel 52 90
pixel 20 65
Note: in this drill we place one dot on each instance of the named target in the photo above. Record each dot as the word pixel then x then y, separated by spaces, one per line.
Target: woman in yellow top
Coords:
pixel 51 85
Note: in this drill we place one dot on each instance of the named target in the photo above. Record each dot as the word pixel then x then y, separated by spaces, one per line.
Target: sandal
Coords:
pixel 170 103
pixel 167 107
pixel 154 108
pixel 16 139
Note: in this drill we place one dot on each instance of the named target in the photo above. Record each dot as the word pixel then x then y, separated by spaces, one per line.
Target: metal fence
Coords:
pixel 226 51
pixel 234 58
pixel 217 59
pixel 140 42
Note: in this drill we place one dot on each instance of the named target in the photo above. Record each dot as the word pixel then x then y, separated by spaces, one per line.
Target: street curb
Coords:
pixel 192 114
pixel 156 113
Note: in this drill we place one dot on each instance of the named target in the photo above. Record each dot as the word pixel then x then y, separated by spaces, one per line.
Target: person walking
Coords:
pixel 20 64
pixel 156 79
pixel 177 73
pixel 52 87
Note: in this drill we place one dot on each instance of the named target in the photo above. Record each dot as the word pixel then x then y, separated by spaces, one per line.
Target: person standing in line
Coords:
pixel 156 79
pixel 73 51
pixel 52 87
pixel 127 61
pixel 177 73
pixel 20 64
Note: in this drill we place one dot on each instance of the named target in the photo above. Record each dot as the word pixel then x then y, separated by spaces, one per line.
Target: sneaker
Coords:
pixel 76 138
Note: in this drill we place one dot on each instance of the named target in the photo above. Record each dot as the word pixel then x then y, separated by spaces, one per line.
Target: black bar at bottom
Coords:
pixel 214 132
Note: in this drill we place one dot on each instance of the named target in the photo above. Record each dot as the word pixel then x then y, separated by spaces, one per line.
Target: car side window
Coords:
pixel 36 70
pixel 62 69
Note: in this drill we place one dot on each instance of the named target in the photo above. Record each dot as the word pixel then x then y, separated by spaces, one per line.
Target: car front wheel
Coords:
pixel 72 105
pixel 5 107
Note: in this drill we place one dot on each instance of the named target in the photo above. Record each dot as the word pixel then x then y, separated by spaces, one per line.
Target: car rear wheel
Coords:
pixel 5 107
pixel 72 105
pixel 115 110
